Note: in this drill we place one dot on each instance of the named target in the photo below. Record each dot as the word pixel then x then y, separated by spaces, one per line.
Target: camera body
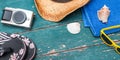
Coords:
pixel 17 17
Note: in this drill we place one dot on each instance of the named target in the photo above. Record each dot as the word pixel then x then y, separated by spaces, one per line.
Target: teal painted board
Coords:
pixel 54 42
pixel 65 44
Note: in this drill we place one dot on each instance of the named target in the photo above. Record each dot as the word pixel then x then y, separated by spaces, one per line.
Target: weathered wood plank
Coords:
pixel 54 42
pixel 65 46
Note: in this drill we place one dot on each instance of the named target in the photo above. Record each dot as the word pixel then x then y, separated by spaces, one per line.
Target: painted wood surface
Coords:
pixel 54 42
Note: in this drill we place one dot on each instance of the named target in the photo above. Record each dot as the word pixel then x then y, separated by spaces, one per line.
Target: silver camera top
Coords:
pixel 17 17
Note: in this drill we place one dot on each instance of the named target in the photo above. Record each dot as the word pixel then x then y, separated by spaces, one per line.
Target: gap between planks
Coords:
pixel 46 27
pixel 75 49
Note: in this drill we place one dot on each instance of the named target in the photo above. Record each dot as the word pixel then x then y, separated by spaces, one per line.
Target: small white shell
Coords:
pixel 73 28
pixel 103 14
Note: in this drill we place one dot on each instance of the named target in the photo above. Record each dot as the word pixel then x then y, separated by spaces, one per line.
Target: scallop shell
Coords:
pixel 74 27
pixel 103 14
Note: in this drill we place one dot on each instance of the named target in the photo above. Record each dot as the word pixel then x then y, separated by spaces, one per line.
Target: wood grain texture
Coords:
pixel 54 42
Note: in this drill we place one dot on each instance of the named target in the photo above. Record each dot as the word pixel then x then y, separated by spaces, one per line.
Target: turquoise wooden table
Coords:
pixel 54 42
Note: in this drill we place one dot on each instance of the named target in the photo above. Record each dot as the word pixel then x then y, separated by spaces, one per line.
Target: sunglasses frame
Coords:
pixel 116 46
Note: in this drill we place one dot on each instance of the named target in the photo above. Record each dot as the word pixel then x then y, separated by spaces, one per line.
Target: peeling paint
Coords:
pixel 33 6
pixel 83 47
pixel 95 40
pixel 107 50
pixel 63 46
pixel 52 53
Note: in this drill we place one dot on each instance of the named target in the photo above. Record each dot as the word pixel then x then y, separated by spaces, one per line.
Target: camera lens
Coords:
pixel 19 17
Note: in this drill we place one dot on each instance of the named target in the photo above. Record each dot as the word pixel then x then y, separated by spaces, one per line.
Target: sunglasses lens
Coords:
pixel 118 49
pixel 106 39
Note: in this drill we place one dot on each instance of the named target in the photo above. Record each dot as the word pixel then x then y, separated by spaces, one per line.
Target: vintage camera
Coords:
pixel 17 17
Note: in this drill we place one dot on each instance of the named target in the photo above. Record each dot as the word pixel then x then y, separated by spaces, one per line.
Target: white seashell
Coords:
pixel 73 28
pixel 103 14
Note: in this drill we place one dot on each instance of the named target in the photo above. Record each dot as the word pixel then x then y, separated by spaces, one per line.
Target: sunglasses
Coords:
pixel 107 40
